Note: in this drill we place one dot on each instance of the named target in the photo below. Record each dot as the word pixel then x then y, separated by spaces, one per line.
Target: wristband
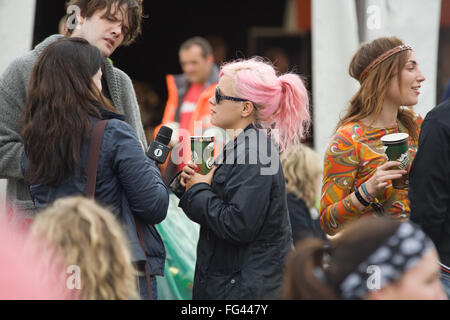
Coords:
pixel 361 199
pixel 366 193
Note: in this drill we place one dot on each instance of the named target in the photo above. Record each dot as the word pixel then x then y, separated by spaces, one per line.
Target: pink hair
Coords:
pixel 282 102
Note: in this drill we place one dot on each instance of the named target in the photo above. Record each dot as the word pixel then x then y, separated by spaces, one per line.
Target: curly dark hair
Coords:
pixel 134 10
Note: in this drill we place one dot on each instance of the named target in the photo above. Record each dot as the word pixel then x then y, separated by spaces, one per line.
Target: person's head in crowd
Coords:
pixel 106 24
pixel 302 168
pixel 64 91
pixel 62 26
pixel 89 238
pixel 373 258
pixel 196 59
pixel 394 82
pixel 250 91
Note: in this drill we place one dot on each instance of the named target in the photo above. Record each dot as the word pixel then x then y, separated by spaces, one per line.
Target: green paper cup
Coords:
pixel 396 149
pixel 202 149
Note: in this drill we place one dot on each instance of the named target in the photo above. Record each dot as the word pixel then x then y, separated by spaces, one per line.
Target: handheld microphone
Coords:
pixel 158 149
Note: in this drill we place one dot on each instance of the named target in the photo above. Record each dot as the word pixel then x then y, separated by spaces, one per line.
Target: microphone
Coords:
pixel 158 149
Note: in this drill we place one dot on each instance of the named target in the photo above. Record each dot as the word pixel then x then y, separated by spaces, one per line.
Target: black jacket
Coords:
pixel 245 232
pixel 303 226
pixel 429 180
pixel 128 183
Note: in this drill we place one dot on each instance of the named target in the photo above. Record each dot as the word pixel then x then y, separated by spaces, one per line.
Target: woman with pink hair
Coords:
pixel 241 203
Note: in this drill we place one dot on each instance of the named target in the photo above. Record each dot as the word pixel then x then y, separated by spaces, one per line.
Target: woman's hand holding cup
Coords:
pixel 188 171
pixel 380 180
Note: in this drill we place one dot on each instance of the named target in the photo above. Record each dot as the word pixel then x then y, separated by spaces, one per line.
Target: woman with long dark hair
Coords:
pixel 64 103
pixel 356 176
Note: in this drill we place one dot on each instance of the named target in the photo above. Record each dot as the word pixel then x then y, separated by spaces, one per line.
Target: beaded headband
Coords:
pixel 381 58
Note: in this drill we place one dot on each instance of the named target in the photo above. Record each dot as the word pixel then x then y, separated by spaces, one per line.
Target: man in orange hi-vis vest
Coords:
pixel 187 110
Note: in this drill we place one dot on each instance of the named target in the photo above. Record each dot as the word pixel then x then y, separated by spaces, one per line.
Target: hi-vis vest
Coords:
pixel 202 110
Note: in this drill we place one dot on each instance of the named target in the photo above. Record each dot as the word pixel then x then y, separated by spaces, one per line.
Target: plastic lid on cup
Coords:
pixel 394 138
pixel 202 138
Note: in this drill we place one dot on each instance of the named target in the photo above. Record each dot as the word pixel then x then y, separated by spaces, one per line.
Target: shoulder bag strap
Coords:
pixel 94 151
pixel 147 266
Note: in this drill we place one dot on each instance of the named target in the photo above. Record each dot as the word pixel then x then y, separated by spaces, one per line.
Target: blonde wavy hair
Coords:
pixel 302 166
pixel 88 236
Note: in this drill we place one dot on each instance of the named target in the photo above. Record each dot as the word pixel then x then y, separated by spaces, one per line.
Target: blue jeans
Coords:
pixel 143 288
pixel 445 279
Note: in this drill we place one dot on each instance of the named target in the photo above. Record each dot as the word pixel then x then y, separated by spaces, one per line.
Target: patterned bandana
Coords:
pixel 399 253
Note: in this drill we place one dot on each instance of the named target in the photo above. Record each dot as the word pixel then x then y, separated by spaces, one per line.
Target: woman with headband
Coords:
pixel 374 258
pixel 357 177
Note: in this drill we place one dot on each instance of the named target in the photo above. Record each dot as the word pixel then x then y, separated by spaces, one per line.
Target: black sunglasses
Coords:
pixel 220 97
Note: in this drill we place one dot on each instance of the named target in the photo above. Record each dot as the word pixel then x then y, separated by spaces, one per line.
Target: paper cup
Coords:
pixel 396 149
pixel 202 149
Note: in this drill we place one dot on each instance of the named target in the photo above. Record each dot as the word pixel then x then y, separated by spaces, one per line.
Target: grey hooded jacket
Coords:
pixel 13 91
